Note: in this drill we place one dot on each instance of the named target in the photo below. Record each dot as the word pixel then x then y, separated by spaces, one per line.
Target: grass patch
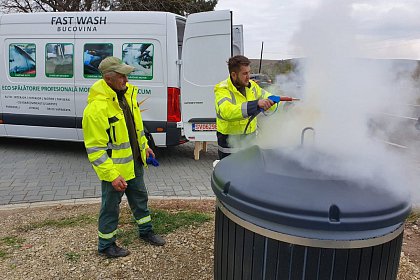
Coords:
pixel 62 223
pixel 3 254
pixel 128 236
pixel 414 216
pixel 12 241
pixel 72 256
pixel 9 242
pixel 163 222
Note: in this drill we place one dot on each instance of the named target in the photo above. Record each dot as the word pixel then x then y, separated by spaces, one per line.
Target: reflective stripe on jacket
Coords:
pixel 232 107
pixel 105 132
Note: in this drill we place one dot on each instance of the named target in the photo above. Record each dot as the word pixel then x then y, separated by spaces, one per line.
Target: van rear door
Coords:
pixel 206 48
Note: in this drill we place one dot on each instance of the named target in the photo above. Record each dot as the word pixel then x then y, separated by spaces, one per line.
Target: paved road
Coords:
pixel 43 171
pixel 51 171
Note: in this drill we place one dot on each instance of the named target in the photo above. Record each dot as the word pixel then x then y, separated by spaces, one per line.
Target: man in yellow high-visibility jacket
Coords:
pixel 117 148
pixel 237 101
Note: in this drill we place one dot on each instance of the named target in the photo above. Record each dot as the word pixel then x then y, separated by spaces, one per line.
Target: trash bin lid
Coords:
pixel 272 187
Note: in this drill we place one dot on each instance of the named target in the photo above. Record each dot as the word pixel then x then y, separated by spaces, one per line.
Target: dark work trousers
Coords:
pixel 223 147
pixel 240 140
pixel 110 209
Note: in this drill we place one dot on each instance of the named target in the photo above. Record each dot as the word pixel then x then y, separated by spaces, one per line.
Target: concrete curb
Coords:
pixel 92 201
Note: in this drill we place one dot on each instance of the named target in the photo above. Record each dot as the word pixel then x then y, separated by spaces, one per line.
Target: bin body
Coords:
pixel 260 237
pixel 243 254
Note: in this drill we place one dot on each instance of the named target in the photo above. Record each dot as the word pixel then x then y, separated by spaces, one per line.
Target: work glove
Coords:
pixel 151 160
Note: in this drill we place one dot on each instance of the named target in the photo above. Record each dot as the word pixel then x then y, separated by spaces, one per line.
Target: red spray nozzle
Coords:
pixel 277 99
pixel 286 98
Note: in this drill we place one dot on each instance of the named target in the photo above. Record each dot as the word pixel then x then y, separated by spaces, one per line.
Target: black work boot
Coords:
pixel 114 251
pixel 153 238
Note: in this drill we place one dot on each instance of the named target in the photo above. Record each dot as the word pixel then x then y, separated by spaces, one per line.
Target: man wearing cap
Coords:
pixel 117 148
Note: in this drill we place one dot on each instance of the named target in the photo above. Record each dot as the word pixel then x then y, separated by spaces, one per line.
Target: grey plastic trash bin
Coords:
pixel 278 220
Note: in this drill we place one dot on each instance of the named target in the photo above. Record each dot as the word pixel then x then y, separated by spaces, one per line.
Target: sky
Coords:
pixel 384 28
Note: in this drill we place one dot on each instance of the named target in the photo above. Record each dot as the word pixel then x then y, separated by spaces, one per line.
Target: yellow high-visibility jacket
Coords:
pixel 105 132
pixel 233 108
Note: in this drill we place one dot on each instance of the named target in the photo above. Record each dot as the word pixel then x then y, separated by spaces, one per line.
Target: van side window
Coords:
pixel 59 60
pixel 22 60
pixel 180 28
pixel 93 54
pixel 140 56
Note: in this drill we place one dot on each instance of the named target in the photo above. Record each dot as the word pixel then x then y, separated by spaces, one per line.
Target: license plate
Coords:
pixel 204 127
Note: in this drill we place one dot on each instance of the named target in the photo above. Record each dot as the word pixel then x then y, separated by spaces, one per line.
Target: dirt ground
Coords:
pixel 411 243
pixel 70 252
pixel 410 256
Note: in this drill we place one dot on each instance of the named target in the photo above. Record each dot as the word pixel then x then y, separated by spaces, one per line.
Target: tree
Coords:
pixel 182 7
pixel 31 6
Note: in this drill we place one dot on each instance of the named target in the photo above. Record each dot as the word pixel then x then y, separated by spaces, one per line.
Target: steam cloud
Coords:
pixel 345 94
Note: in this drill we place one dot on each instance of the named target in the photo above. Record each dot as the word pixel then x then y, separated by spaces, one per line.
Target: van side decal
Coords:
pixel 140 56
pixel 22 60
pixel 93 54
pixel 59 60
pixel 44 88
pixel 79 23
pixel 43 99
pixel 78 20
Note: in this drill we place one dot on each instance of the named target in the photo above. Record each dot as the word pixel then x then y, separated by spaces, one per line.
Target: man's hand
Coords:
pixel 149 152
pixel 119 184
pixel 265 104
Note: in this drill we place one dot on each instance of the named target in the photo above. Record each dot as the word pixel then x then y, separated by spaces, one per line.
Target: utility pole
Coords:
pixel 262 48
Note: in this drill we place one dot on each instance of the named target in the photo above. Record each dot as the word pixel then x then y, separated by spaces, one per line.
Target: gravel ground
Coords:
pixel 70 252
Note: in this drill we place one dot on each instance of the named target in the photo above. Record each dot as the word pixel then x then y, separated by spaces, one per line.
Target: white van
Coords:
pixel 49 61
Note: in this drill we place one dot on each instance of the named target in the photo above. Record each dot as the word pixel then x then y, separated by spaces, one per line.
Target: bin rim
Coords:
pixel 368 239
pixel 308 201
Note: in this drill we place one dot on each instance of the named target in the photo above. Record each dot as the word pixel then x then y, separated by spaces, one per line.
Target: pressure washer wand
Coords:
pixel 276 99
